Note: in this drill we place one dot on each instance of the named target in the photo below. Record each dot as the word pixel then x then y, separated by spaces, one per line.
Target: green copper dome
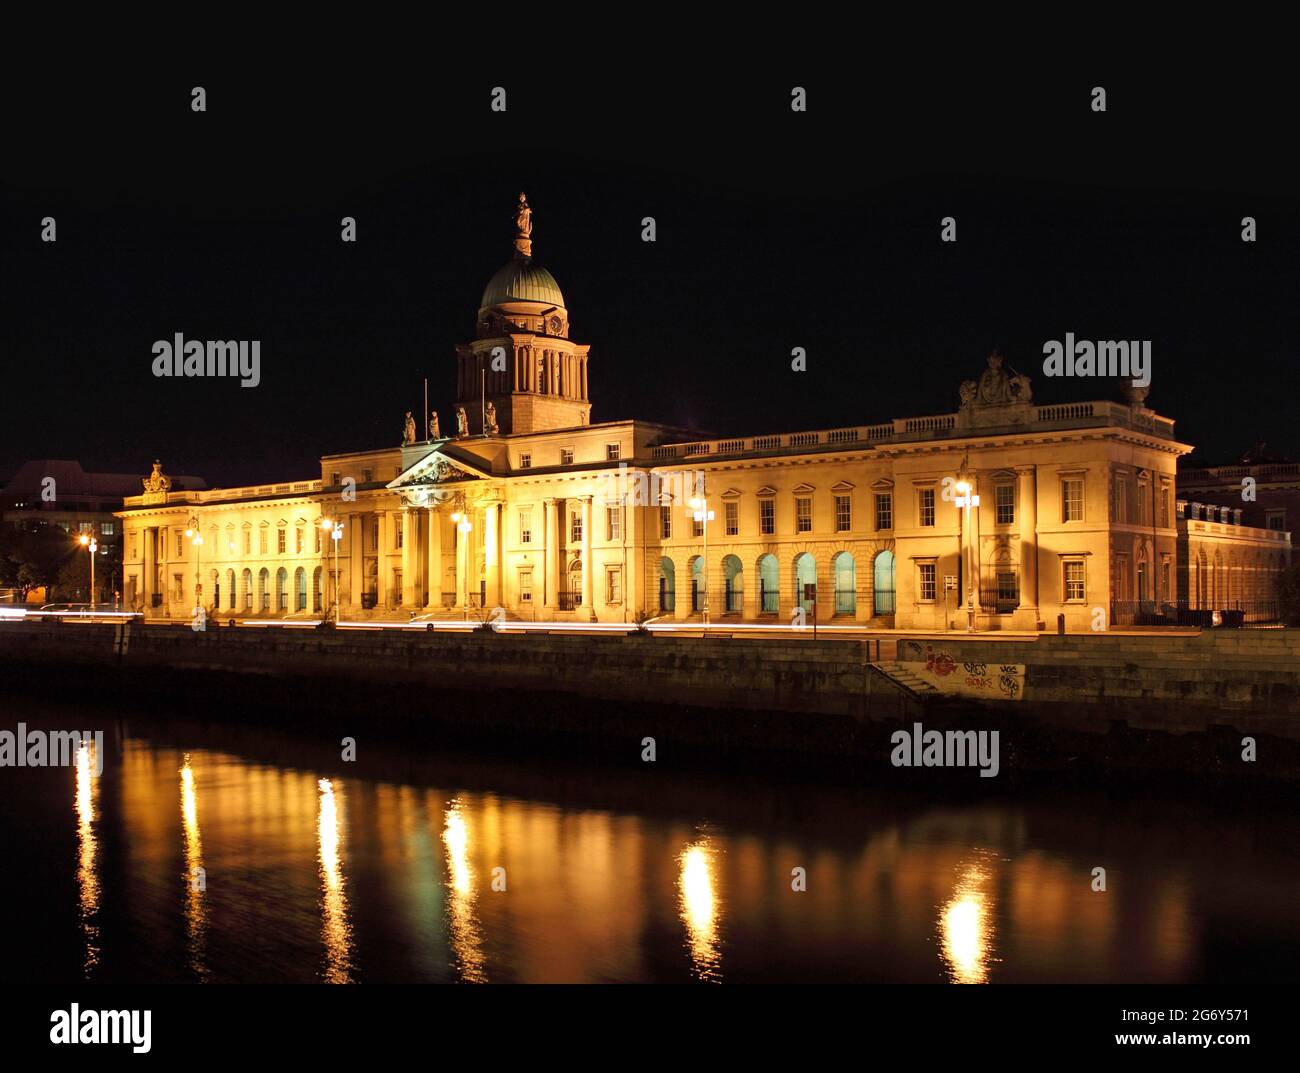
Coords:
pixel 521 280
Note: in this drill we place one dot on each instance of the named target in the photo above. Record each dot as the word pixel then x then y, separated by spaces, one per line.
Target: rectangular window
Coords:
pixel 1121 500
pixel 180 545
pixel 665 523
pixel 178 587
pixel 566 456
pixel 1165 591
pixel 884 510
pixel 399 533
pixel 1072 499
pixel 85 527
pixel 135 547
pixel 298 541
pixel 316 540
pixel 1008 590
pixel 926 501
pixel 767 516
pixel 575 527
pixel 106 528
pixel 336 479
pixel 732 511
pixel 614 522
pixel 1276 520
pixel 526 586
pixel 525 460
pixel 525 527
pixel 927 585
pixel 1074 586
pixel 1164 506
pixel 613 584
pixel 803 514
pixel 248 542
pixel 367 475
pixel 281 541
pixel 843 514
pixel 1144 493
pixel 611 452
pixel 1004 498
pixel 697 527
pixel 262 541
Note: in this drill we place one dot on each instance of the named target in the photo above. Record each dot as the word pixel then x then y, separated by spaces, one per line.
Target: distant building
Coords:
pixel 519 502
pixel 1261 487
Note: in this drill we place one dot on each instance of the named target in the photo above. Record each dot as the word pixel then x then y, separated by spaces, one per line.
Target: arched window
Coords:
pixel 733 579
pixel 282 589
pixel 573 598
pixel 248 589
pixel 667 586
pixel 264 589
pixel 300 589
pixel 230 588
pixel 769 584
pixel 697 583
pixel 805 574
pixel 315 589
pixel 845 568
pixel 883 574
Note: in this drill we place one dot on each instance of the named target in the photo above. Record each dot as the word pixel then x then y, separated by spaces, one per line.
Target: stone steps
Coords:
pixel 913 683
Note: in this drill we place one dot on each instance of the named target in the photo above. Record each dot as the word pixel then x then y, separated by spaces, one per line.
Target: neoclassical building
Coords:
pixel 529 507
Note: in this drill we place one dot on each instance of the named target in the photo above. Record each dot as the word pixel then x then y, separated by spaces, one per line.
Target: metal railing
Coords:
pixel 1236 614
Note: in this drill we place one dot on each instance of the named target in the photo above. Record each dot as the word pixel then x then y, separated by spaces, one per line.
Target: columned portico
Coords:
pixel 551 553
pixel 410 558
pixel 492 553
pixel 433 570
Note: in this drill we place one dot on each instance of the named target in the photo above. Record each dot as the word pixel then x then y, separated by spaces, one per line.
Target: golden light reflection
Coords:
pixel 699 909
pixel 335 929
pixel 466 942
pixel 87 880
pixel 196 911
pixel 966 926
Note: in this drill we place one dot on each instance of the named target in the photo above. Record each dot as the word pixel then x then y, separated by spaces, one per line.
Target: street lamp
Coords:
pixel 966 498
pixel 700 505
pixel 463 526
pixel 335 530
pixel 91 545
pixel 196 539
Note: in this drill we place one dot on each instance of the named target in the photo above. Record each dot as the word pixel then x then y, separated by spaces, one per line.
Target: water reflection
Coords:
pixel 87 879
pixel 196 880
pixel 699 909
pixel 466 940
pixel 335 929
pixel 966 924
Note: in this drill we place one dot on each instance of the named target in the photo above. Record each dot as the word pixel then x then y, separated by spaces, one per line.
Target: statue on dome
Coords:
pixel 408 430
pixel 490 420
pixel 524 218
pixel 434 433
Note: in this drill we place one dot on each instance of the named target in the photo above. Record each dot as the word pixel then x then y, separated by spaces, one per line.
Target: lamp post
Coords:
pixel 700 505
pixel 463 526
pixel 91 545
pixel 196 539
pixel 966 498
pixel 335 530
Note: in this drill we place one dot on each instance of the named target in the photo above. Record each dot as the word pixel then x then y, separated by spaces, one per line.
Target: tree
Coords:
pixel 31 556
pixel 1288 594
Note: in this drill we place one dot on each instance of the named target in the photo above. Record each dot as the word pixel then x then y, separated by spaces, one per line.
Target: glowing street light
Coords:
pixel 700 505
pixel 335 530
pixel 196 539
pixel 966 498
pixel 91 545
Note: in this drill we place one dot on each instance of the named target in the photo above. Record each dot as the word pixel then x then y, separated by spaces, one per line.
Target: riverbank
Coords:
pixel 1073 703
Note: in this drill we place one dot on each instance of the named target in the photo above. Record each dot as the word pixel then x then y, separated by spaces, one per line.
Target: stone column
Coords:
pixel 634 576
pixel 587 610
pixel 150 570
pixel 551 552
pixel 410 558
pixel 385 529
pixel 434 570
pixel 355 531
pixel 492 553
pixel 977 566
pixel 462 568
pixel 1028 497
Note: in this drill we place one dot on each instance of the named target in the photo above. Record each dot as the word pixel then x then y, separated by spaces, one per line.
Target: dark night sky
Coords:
pixel 775 230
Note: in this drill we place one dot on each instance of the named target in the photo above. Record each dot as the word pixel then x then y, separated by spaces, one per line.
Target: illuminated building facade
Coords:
pixel 523 504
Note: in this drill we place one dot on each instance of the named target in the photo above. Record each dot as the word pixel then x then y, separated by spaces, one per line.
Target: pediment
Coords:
pixel 804 489
pixel 883 485
pixel 842 487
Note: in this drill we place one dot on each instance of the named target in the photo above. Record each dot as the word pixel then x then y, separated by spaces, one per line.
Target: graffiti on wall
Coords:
pixel 966 678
